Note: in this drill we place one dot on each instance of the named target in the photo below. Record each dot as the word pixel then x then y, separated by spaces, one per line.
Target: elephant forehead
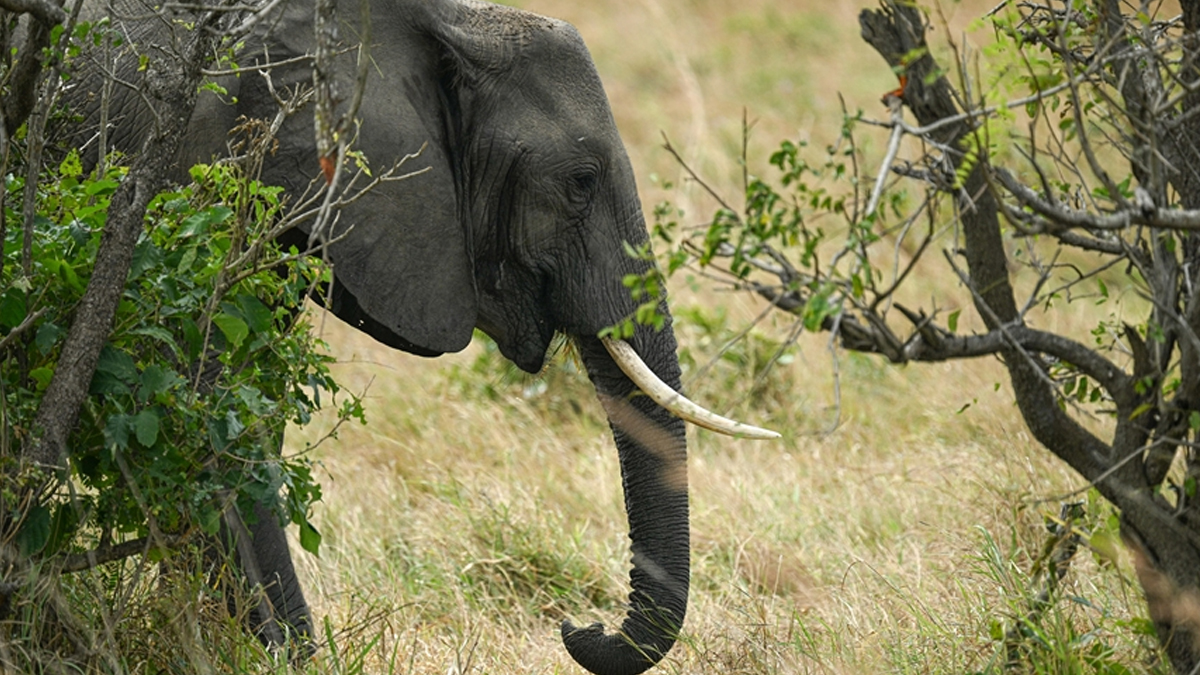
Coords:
pixel 508 23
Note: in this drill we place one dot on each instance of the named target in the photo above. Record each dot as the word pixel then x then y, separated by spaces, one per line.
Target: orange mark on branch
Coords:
pixel 328 167
pixel 897 93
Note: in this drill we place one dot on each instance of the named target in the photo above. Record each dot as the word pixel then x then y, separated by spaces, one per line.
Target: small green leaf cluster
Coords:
pixel 648 289
pixel 209 358
pixel 783 228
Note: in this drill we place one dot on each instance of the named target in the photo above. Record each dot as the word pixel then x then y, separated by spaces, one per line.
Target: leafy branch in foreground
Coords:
pixel 198 378
pixel 1065 172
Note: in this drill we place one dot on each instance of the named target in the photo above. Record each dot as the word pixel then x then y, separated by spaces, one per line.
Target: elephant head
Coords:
pixel 518 225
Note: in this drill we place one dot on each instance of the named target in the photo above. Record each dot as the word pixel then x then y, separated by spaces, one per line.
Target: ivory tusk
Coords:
pixel 650 384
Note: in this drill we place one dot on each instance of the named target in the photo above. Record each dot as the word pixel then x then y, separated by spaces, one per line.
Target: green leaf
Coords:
pixel 235 329
pixel 145 256
pixel 199 223
pixel 107 384
pixel 210 520
pixel 47 336
pixel 310 538
pixel 1141 410
pixel 35 531
pixel 193 338
pixel 118 364
pixel 116 431
pixel 104 186
pixel 233 426
pixel 70 167
pixel 145 424
pixel 69 277
pixel 816 310
pixel 952 320
pixel 42 376
pixel 254 401
pixel 12 308
pixel 156 379
pixel 257 315
pixel 185 262
pixel 162 335
pixel 1194 420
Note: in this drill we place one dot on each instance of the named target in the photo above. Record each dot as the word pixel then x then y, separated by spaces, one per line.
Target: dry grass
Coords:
pixel 465 524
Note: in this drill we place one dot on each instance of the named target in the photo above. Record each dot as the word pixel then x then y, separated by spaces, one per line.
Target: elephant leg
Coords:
pixel 280 616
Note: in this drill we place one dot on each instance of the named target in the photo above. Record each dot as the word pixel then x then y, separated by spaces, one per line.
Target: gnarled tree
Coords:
pixel 1073 159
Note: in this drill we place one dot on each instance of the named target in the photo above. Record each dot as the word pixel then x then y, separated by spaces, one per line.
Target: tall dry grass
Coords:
pixel 892 531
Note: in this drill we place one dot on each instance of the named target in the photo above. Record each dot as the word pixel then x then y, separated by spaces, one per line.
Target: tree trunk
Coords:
pixel 1164 539
pixel 171 88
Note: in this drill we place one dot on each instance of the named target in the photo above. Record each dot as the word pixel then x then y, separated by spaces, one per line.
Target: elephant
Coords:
pixel 518 225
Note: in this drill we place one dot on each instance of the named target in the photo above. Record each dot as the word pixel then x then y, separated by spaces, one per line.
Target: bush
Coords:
pixel 209 359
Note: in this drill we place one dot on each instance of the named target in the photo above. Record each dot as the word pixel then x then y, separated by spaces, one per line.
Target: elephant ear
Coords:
pixel 402 253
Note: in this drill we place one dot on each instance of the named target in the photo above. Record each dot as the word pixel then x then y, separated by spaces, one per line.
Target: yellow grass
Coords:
pixel 464 522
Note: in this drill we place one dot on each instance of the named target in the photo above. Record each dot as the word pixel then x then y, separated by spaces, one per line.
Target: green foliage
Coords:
pixel 208 360
pixel 648 289
pixel 790 213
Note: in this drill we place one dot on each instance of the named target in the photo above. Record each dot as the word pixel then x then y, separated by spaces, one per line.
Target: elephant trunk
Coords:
pixel 652 447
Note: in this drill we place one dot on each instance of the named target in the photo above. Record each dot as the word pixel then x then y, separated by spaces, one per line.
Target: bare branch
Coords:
pixel 1060 216
pixel 78 562
pixel 25 325
pixel 45 11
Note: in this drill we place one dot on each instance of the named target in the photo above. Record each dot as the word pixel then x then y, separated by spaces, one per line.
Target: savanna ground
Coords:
pixel 893 529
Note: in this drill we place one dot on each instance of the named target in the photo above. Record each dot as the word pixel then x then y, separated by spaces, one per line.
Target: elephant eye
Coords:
pixel 583 183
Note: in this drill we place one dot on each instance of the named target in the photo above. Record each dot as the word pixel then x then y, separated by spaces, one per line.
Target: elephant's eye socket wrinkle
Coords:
pixel 584 182
pixel 581 190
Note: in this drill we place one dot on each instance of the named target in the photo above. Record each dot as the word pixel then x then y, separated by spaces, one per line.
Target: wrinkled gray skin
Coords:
pixel 517 228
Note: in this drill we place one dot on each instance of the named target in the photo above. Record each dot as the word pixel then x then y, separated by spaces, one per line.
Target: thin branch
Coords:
pixel 888 157
pixel 1062 216
pixel 78 562
pixel 25 325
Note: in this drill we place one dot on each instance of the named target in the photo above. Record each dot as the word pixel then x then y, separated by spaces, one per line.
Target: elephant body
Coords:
pixel 517 225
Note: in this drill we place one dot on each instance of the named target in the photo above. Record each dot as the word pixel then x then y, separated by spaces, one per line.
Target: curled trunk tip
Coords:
pixel 614 653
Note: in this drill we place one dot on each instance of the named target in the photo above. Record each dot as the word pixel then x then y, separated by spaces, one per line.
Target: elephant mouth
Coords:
pixel 527 348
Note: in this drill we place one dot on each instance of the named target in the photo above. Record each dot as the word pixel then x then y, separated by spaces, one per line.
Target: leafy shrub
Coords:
pixel 209 358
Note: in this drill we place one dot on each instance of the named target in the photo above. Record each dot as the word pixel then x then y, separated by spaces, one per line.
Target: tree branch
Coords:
pixel 45 11
pixel 897 32
pixel 172 89
pixel 78 562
